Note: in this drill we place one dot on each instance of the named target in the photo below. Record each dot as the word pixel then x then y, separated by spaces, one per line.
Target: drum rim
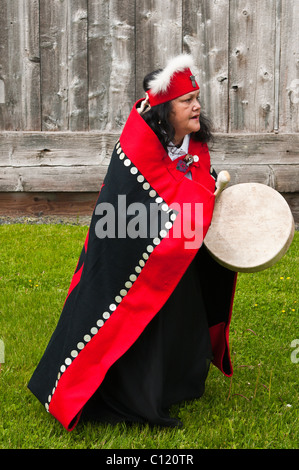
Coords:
pixel 281 252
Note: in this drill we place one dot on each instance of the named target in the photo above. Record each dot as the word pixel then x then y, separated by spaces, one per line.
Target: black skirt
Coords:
pixel 168 363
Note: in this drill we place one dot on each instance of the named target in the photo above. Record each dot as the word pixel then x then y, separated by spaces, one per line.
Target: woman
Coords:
pixel 148 309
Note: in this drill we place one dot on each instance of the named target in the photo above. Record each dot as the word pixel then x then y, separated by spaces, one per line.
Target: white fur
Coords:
pixel 161 82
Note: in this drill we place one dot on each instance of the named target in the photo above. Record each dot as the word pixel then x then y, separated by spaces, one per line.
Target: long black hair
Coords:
pixel 157 118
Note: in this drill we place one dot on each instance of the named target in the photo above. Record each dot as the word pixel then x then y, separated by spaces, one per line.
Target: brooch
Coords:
pixel 184 163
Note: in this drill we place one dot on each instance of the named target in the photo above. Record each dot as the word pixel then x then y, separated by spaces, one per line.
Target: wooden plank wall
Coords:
pixel 70 71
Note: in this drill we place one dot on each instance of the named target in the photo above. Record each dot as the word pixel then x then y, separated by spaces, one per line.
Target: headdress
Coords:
pixel 174 80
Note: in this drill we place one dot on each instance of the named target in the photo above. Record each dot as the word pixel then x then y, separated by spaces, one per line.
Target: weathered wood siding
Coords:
pixel 70 71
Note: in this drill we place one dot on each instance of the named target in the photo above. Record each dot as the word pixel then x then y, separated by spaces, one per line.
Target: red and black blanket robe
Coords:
pixel 122 281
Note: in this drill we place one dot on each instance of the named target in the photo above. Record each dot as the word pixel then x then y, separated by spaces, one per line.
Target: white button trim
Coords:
pixel 132 278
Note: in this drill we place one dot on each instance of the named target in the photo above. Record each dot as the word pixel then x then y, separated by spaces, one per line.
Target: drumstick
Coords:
pixel 222 180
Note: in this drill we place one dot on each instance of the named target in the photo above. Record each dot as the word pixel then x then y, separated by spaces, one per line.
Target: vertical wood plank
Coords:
pixel 20 65
pixel 54 73
pixel 77 65
pixel 31 106
pixel 111 63
pixel 158 36
pixel 289 77
pixel 205 36
pixel 4 64
pixel 99 63
pixel 11 70
pixel 122 77
pixel 252 53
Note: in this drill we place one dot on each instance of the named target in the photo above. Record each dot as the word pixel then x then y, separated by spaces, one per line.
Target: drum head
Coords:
pixel 252 228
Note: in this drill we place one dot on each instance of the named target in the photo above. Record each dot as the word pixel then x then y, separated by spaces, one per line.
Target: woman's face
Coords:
pixel 184 115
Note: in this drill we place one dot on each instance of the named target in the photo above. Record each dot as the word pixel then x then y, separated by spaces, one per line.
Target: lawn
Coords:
pixel 255 409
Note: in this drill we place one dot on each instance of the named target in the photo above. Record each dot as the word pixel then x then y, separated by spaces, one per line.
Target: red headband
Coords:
pixel 174 81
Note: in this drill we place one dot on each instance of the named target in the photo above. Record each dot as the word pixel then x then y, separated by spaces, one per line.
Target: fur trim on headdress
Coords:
pixel 161 82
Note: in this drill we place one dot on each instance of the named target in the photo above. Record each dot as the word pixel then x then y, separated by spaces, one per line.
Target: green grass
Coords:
pixel 256 408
